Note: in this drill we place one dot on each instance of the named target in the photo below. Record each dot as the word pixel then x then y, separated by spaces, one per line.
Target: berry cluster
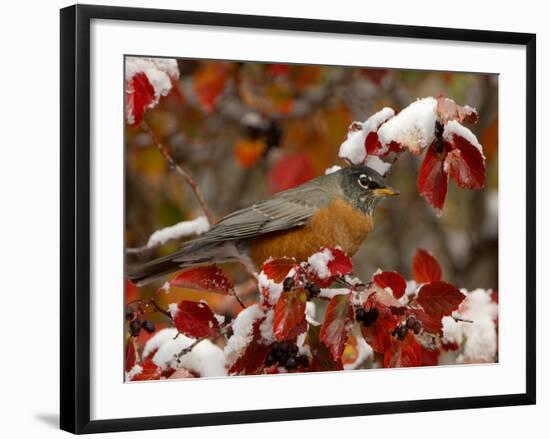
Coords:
pixel 311 288
pixel 411 323
pixel 135 324
pixel 285 354
pixel 366 317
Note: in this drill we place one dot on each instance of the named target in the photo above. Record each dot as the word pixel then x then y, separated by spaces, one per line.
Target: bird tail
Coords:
pixel 152 270
pixel 185 258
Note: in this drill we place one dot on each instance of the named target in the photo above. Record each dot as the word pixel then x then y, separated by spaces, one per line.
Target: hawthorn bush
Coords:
pixel 317 315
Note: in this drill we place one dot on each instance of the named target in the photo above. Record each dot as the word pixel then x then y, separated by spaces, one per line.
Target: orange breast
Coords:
pixel 338 224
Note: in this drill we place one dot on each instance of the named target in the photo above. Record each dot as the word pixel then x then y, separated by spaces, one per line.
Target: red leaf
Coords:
pixel 131 354
pixel 341 263
pixel 373 145
pixel 447 110
pixel 289 318
pixel 431 324
pixel 429 357
pixel 327 264
pixel 195 319
pixel 290 171
pixel 210 278
pixel 252 360
pixel 139 95
pixel 439 298
pixel 278 269
pixel 379 334
pixel 338 322
pixel 466 164
pixel 432 179
pixel 322 359
pixel 393 280
pixel 149 371
pixel 425 267
pixel 406 353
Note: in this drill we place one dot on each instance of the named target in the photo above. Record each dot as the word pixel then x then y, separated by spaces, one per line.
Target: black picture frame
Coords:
pixel 75 216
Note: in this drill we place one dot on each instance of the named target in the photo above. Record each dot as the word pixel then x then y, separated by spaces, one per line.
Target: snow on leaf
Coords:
pixel 246 350
pixel 244 331
pixel 377 164
pixel 362 138
pixel 448 110
pixel 205 359
pixel 327 264
pixel 393 280
pixel 433 179
pixel 149 371
pixel 278 269
pixel 425 267
pixel 147 80
pixel 340 264
pixel 439 298
pixel 290 319
pixel 195 319
pixel 210 278
pixel 338 322
pixel 413 128
pixel 406 353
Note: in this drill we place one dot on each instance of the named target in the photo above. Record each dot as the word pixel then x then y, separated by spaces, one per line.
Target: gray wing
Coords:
pixel 283 211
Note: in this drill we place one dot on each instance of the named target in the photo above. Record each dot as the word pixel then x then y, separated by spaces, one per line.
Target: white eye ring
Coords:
pixel 364 181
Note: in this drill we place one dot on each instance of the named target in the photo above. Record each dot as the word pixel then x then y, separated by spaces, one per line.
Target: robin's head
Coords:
pixel 364 187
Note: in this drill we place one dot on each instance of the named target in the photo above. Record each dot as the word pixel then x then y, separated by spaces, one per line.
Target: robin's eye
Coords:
pixel 364 181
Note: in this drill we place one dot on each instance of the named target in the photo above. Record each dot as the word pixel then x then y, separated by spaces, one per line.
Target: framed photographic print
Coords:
pixel 314 218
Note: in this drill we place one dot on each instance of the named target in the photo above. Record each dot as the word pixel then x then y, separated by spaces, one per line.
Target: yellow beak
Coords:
pixel 385 192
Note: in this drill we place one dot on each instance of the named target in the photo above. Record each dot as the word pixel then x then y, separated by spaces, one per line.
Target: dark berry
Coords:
pixel 303 361
pixel 417 327
pixel 401 332
pixel 293 350
pixel 291 363
pixel 285 346
pixel 288 284
pixel 135 327
pixel 370 316
pixel 410 322
pixel 270 360
pixel 313 289
pixel 148 326
pixel 360 314
pixel 275 346
pixel 129 313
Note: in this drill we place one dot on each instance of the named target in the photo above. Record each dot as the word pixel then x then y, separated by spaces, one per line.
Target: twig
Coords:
pixel 460 319
pixel 159 309
pixel 234 294
pixel 175 167
pixel 189 348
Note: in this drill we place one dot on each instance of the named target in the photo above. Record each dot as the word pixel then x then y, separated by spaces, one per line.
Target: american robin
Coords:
pixel 327 211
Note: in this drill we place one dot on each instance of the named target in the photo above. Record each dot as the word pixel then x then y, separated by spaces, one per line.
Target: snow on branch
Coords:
pixel 182 229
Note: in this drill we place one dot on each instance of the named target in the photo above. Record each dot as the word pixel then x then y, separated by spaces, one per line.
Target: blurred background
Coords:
pixel 246 130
